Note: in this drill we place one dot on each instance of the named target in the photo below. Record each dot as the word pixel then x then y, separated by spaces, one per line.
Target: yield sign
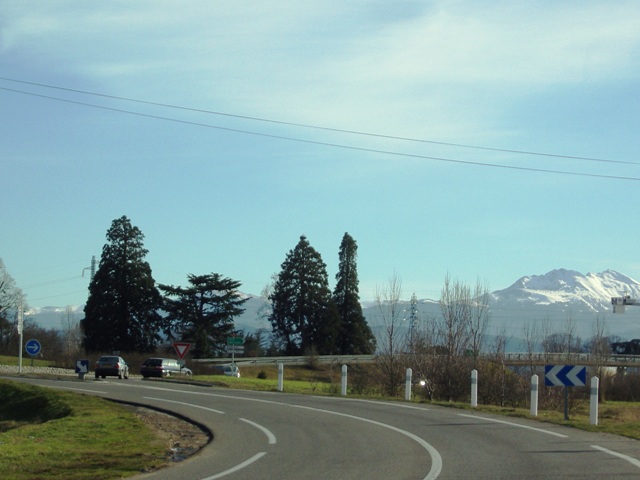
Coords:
pixel 181 348
pixel 565 376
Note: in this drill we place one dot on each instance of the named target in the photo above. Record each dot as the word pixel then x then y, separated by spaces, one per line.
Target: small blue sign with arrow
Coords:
pixel 565 376
pixel 32 347
pixel 82 366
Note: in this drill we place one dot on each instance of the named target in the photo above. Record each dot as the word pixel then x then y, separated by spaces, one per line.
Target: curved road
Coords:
pixel 264 435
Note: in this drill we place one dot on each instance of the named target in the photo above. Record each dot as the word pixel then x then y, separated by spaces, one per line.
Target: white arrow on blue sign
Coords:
pixel 82 366
pixel 565 376
pixel 32 347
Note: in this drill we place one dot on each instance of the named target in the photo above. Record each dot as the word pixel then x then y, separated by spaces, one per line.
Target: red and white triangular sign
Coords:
pixel 181 348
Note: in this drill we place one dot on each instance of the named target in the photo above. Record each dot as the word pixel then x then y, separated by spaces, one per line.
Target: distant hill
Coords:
pixel 550 298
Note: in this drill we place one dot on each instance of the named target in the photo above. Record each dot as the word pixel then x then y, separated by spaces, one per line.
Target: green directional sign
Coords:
pixel 235 341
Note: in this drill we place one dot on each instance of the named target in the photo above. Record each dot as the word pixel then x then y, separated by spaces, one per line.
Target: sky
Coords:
pixel 483 141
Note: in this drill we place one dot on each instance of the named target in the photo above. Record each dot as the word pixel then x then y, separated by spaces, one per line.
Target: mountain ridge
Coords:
pixel 554 296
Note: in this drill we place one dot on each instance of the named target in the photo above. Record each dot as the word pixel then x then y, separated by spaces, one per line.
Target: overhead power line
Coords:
pixel 317 127
pixel 329 144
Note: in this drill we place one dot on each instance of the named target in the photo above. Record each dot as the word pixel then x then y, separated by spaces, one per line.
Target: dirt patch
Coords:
pixel 182 438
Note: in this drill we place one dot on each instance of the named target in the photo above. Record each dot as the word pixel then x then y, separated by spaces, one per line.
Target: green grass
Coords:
pixel 59 435
pixel 297 379
pixel 27 361
pixel 616 418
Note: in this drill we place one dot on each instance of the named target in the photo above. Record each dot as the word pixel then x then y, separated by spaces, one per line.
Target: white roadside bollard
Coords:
pixel 407 386
pixel 593 402
pixel 534 396
pixel 343 386
pixel 474 388
pixel 280 377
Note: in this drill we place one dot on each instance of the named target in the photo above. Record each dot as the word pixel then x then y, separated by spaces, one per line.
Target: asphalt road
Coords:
pixel 264 435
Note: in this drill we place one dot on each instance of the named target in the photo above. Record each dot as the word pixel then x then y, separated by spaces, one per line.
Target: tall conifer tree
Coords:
pixel 303 315
pixel 356 337
pixel 203 312
pixel 121 313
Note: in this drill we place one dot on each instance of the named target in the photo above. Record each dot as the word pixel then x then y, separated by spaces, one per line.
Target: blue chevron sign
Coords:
pixel 565 376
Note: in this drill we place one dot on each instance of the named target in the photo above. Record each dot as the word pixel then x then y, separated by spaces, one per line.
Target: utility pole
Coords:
pixel 92 268
pixel 413 318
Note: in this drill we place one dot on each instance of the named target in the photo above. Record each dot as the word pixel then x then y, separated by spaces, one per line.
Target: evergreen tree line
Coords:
pixel 127 312
pixel 306 317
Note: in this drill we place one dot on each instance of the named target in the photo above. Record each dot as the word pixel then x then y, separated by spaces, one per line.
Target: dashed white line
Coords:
pixel 270 436
pixel 240 466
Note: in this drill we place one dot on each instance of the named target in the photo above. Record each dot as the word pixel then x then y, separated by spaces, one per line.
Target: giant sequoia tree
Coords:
pixel 203 312
pixel 121 313
pixel 356 337
pixel 303 315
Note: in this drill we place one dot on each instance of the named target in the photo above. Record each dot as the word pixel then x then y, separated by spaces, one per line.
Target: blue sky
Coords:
pixel 231 192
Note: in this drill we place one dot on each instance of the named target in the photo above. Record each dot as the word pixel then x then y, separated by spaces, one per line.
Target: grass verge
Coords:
pixel 616 418
pixel 71 437
pixel 26 361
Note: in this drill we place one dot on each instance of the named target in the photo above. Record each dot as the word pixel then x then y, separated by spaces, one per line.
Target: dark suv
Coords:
pixel 162 367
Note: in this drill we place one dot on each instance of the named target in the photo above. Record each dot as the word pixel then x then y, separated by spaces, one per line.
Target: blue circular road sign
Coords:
pixel 32 347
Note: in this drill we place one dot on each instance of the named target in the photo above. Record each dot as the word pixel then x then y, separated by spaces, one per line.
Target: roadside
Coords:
pixel 182 438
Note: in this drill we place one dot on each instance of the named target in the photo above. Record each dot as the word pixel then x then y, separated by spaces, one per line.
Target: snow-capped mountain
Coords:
pixel 552 300
pixel 552 297
pixel 568 289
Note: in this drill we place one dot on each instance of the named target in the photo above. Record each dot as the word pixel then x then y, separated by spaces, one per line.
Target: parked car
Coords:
pixel 163 367
pixel 111 366
pixel 228 370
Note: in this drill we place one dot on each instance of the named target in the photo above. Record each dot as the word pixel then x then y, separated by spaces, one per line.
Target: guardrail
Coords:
pixel 511 359
pixel 589 359
pixel 339 359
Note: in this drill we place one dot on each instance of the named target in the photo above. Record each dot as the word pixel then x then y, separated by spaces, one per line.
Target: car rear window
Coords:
pixel 108 359
pixel 153 362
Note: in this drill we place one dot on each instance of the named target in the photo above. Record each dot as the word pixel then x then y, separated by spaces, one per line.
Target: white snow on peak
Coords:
pixel 592 291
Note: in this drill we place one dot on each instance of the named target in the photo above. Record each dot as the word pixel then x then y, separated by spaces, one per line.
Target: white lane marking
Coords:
pixel 240 466
pixel 266 431
pixel 185 403
pixel 436 459
pixel 376 402
pixel 629 459
pixel 541 430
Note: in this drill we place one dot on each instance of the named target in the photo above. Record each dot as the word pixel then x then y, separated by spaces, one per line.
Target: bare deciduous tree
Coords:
pixel 390 341
pixel 71 336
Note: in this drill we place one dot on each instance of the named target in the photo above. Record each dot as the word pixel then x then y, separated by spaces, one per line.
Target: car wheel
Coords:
pixel 96 375
pixel 104 376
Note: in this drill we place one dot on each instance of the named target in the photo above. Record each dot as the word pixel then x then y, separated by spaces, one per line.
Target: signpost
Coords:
pixel 33 348
pixel 20 328
pixel 565 376
pixel 235 345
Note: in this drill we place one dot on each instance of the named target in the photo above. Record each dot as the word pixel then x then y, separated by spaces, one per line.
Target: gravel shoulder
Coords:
pixel 182 438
